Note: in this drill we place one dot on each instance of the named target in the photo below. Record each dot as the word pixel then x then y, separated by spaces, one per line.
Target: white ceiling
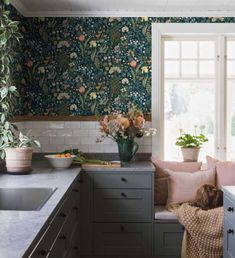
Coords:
pixel 125 7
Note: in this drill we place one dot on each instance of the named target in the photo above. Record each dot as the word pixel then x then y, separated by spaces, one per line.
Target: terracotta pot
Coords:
pixel 190 154
pixel 18 160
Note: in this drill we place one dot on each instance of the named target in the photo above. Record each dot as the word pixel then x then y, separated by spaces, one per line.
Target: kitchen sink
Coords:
pixel 24 199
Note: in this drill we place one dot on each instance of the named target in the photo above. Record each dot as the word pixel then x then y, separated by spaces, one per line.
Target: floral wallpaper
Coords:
pixel 87 66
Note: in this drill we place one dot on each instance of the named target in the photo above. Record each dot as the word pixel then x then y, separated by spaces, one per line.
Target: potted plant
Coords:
pixel 190 145
pixel 19 154
pixel 10 140
pixel 123 128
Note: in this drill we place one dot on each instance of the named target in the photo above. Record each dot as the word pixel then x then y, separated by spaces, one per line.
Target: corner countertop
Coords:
pixel 19 229
pixel 134 166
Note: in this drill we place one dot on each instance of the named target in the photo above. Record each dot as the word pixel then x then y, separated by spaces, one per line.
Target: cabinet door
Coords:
pixel 86 215
pixel 167 239
pixel 229 209
pixel 116 205
pixel 122 239
pixel 229 240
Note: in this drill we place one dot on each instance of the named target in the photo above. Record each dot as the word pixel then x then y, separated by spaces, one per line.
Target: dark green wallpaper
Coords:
pixel 87 66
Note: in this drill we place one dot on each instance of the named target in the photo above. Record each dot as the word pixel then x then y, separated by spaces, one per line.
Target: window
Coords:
pixel 189 84
pixel 193 87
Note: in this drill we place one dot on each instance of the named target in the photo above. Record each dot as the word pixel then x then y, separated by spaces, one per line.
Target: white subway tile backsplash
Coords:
pixel 39 124
pixel 74 124
pixel 56 125
pixel 96 148
pixel 49 148
pixel 72 140
pixel 80 132
pixel 83 148
pixel 94 132
pixel 44 139
pixel 89 125
pixel 88 140
pixel 64 132
pixel 111 148
pixel 57 140
pixel 56 136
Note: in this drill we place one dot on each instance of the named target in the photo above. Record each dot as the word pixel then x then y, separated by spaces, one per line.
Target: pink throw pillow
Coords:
pixel 182 186
pixel 161 187
pixel 225 173
pixel 211 162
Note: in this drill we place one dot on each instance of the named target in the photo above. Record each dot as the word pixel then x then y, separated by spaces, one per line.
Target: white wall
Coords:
pixel 57 136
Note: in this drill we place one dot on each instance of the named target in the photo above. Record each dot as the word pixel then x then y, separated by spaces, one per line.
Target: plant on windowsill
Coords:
pixel 123 128
pixel 15 147
pixel 190 144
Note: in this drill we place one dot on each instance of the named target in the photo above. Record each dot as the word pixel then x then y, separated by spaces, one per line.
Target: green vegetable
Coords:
pixel 80 159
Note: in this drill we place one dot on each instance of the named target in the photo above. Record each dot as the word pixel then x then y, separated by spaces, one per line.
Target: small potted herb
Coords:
pixel 190 145
pixel 18 153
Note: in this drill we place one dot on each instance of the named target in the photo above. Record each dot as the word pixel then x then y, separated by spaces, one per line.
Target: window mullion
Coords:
pixel 221 114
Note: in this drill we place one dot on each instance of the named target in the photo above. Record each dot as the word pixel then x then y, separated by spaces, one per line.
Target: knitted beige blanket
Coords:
pixel 203 236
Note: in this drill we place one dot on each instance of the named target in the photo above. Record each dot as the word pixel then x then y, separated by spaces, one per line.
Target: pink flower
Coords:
pixel 133 63
pixel 81 89
pixel 81 38
pixel 30 63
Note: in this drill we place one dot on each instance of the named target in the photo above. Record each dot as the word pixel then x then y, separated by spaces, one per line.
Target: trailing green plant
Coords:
pixel 191 141
pixel 9 38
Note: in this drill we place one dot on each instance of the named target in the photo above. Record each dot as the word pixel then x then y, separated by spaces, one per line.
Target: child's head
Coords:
pixel 208 197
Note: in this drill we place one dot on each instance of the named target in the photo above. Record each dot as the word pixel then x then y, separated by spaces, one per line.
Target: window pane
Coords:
pixel 172 49
pixel 189 68
pixel 188 103
pixel 231 68
pixel 171 69
pixel 231 121
pixel 206 49
pixel 206 68
pixel 189 49
pixel 231 49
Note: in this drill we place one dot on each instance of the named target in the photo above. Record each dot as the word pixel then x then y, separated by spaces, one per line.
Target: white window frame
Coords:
pixel 160 29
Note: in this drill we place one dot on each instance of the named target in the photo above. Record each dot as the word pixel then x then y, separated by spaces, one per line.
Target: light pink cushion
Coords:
pixel 161 188
pixel 182 187
pixel 225 173
pixel 211 162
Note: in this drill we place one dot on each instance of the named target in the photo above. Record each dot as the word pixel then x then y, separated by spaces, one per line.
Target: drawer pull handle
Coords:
pixel 63 215
pixel 75 208
pixel 76 190
pixel 230 231
pixel 122 228
pixel 123 179
pixel 75 247
pixel 42 252
pixel 80 181
pixel 123 194
pixel 230 209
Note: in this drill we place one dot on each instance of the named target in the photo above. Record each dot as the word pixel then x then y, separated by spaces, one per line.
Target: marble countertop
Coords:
pixel 19 229
pixel 229 190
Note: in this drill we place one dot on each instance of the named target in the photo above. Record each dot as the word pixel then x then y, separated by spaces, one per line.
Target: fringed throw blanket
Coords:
pixel 203 236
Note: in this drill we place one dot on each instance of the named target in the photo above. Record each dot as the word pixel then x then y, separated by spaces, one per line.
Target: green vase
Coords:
pixel 127 148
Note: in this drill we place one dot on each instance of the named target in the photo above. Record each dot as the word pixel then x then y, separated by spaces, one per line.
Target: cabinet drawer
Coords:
pixel 229 209
pixel 113 205
pixel 229 239
pixel 122 180
pixel 167 239
pixel 122 239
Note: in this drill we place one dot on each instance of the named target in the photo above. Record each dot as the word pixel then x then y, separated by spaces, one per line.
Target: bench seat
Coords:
pixel 161 213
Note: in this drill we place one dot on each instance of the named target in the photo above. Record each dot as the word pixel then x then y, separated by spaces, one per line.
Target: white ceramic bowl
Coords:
pixel 56 162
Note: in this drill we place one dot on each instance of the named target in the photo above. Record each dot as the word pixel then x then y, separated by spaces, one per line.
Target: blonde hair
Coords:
pixel 208 197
